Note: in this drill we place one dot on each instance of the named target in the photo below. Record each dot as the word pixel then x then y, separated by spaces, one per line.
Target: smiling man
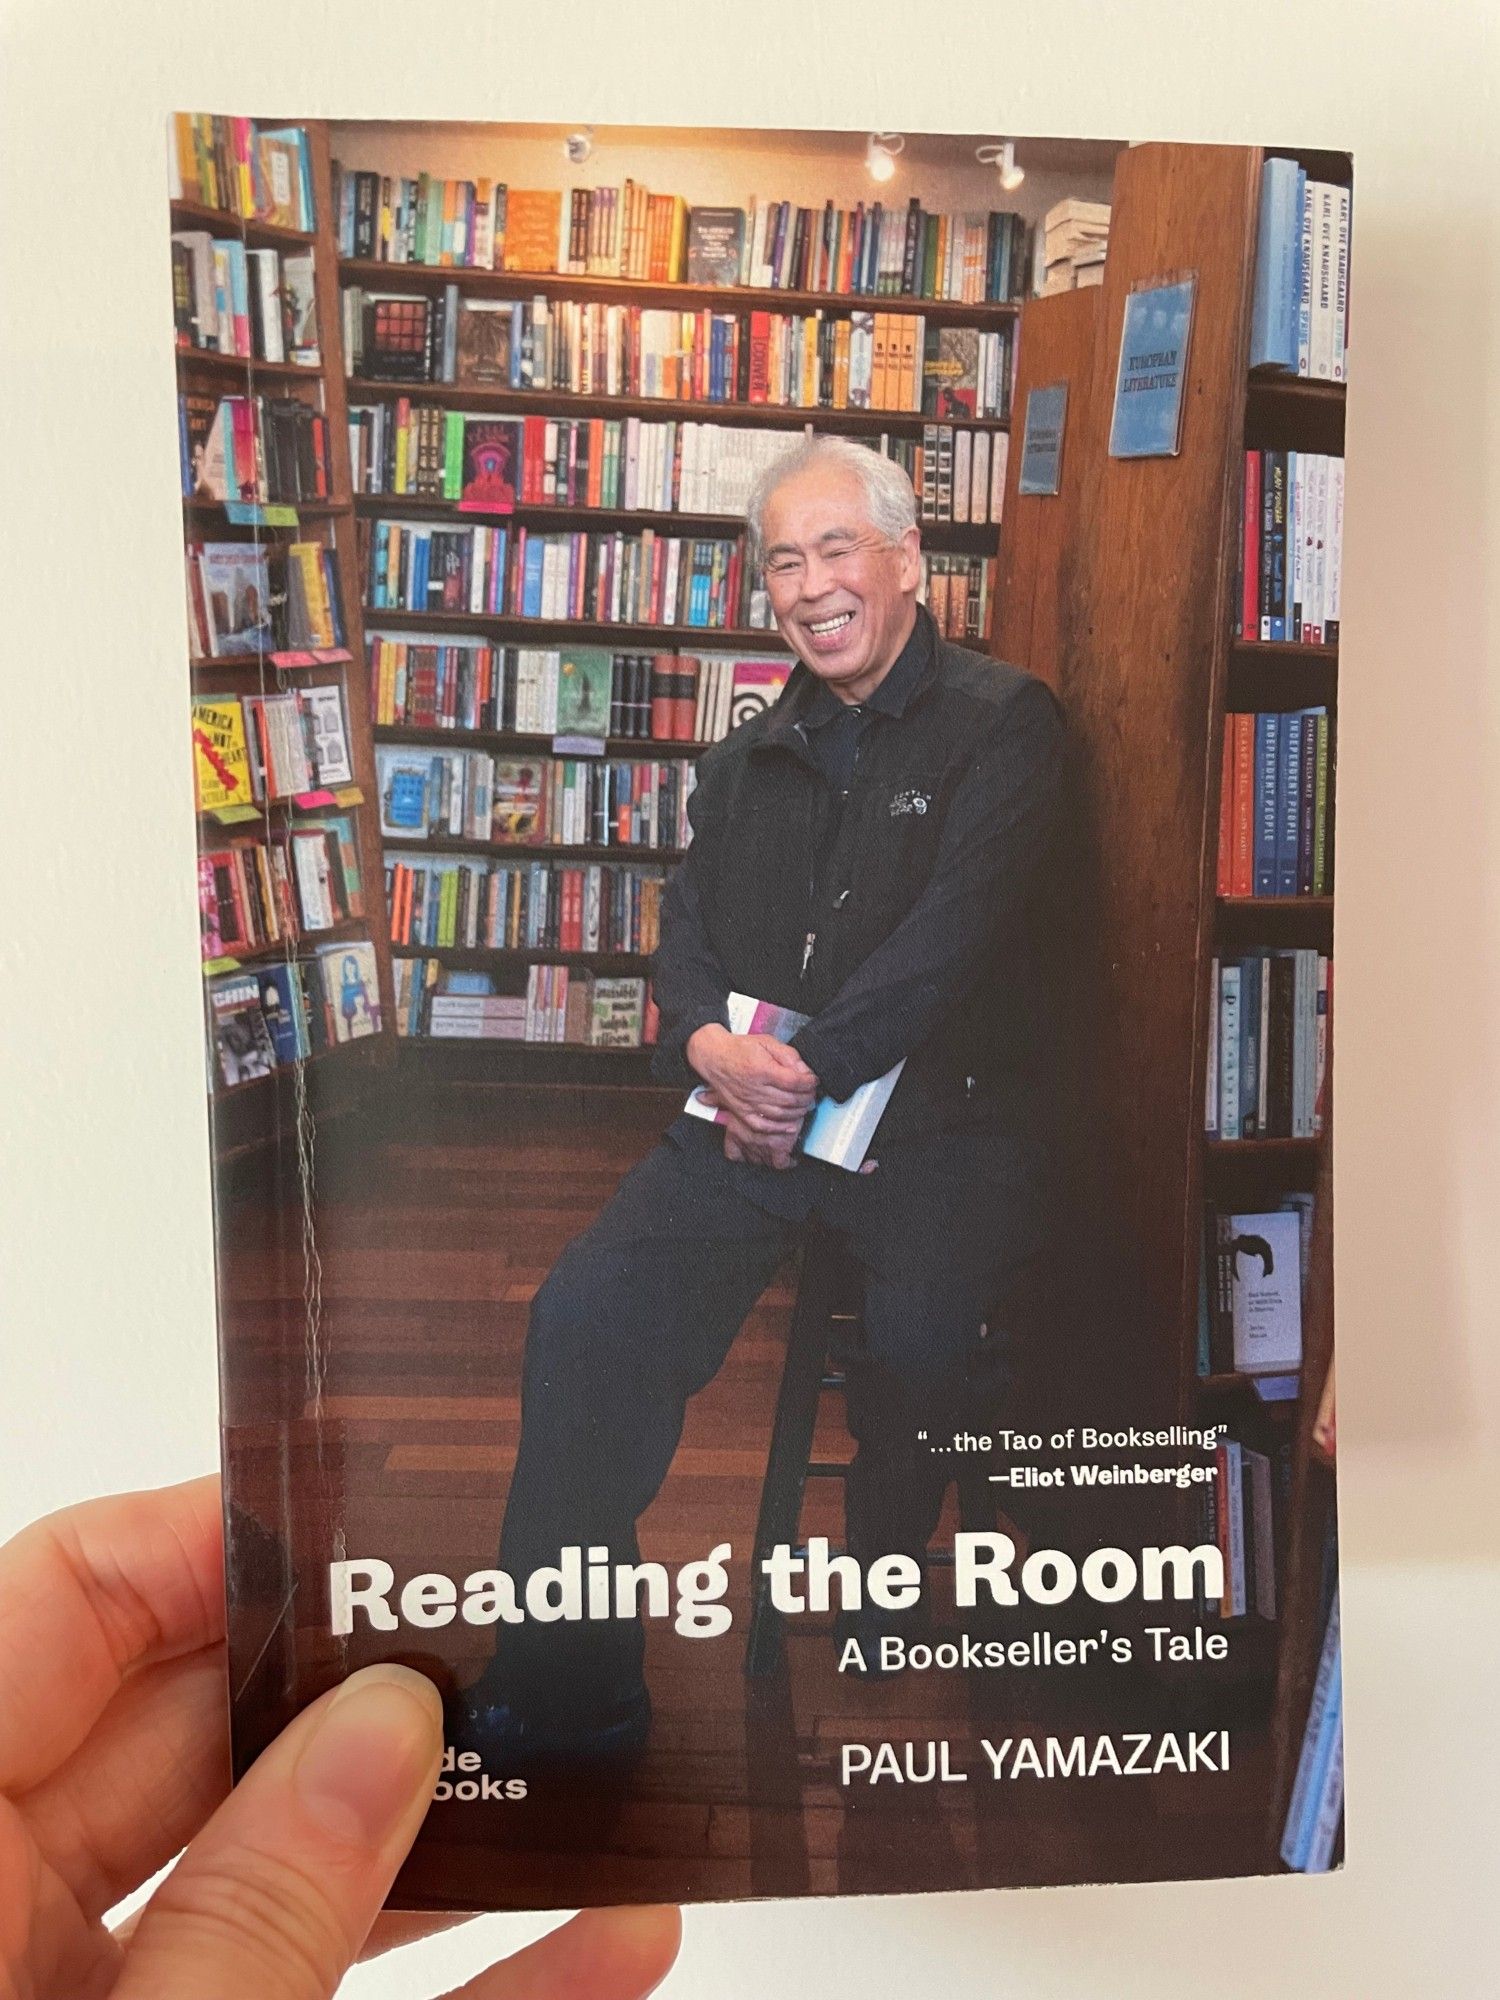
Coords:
pixel 868 852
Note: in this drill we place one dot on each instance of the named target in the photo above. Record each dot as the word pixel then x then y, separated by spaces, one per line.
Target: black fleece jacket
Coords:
pixel 901 915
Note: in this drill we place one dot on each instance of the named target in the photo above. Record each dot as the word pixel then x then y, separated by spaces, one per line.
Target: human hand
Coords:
pixel 760 1082
pixel 114 1752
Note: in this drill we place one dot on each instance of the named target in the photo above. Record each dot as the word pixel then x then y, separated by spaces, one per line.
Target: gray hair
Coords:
pixel 889 500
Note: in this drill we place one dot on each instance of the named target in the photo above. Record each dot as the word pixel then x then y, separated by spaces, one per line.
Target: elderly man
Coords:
pixel 868 853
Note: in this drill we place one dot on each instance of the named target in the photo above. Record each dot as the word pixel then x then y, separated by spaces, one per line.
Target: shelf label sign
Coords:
pixel 1042 439
pixel 1154 339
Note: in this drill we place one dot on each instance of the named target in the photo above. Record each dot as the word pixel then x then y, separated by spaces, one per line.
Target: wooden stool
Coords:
pixel 826 1325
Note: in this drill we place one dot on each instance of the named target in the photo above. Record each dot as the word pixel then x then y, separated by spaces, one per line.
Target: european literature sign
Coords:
pixel 1153 366
pixel 1042 443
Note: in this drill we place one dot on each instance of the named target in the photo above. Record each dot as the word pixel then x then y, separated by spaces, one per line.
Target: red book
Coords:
pixel 760 338
pixel 1225 865
pixel 1242 873
pixel 663 697
pixel 1250 562
pixel 685 699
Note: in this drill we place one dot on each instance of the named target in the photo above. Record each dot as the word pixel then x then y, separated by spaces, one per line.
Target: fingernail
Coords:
pixel 369 1753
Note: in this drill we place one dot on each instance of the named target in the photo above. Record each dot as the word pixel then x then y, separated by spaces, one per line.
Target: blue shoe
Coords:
pixel 511 1738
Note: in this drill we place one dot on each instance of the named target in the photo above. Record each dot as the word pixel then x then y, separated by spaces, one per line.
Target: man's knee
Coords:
pixel 569 1314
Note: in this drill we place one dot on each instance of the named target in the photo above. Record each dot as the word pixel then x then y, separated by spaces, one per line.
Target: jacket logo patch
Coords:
pixel 905 803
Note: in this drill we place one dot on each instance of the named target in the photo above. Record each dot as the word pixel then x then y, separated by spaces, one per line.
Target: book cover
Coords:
pixel 221 757
pixel 715 240
pixel 491 464
pixel 935 1511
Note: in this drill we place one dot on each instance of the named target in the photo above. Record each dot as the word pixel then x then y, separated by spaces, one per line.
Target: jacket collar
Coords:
pixel 785 722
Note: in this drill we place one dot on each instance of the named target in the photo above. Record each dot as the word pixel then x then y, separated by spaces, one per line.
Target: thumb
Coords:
pixel 273 1899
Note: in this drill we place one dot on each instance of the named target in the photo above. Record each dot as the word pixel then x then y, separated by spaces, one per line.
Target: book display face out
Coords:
pixel 776 965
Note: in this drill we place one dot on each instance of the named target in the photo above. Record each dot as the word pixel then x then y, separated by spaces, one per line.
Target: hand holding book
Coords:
pixel 761 1089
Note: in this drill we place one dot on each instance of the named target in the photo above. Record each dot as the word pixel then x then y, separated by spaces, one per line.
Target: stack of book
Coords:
pixel 1243 1512
pixel 251 448
pixel 561 1005
pixel 530 802
pixel 260 173
pixel 854 360
pixel 256 891
pixel 258 748
pixel 228 299
pixel 275 598
pixel 594 576
pixel 472 904
pixel 1075 238
pixel 628 232
pixel 1290 547
pixel 957 591
pixel 1269 1023
pixel 1276 804
pixel 277 1014
pixel 1299 320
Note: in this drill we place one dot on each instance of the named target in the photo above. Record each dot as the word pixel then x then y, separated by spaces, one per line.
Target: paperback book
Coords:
pixel 888 1445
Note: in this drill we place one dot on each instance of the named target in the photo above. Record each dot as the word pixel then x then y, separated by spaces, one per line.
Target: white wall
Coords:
pixel 108 1295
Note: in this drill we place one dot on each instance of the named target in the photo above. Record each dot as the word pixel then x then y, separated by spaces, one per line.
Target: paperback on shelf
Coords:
pixel 891 1447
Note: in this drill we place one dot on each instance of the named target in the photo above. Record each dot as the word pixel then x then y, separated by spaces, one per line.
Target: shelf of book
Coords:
pixel 246 366
pixel 279 949
pixel 454 844
pixel 487 955
pixel 955 537
pixel 372 275
pixel 653 638
pixel 1129 600
pixel 476 1059
pixel 572 403
pixel 257 1109
pixel 531 745
pixel 254 231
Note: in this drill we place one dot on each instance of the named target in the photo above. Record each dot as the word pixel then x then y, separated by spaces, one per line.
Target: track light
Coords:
pixel 880 154
pixel 1002 158
pixel 578 145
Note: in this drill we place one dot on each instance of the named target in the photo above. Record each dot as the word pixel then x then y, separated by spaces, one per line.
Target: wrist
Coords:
pixel 702 1044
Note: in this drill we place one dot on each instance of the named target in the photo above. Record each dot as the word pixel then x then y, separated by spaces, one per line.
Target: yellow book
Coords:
pixel 308 556
pixel 403 446
pixel 678 248
pixel 910 364
pixel 533 218
pixel 810 328
pixel 221 761
pixel 841 365
pixel 187 156
pixel 880 368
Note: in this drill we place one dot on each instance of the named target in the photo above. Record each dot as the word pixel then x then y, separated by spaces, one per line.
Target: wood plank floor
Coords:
pixel 371 1366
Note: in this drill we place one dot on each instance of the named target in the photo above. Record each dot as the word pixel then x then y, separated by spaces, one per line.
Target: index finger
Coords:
pixel 91 1593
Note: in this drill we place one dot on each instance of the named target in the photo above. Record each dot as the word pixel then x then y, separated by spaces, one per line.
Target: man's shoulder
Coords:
pixel 990 690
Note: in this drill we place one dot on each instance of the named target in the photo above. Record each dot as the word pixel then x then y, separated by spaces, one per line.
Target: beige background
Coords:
pixel 108 1278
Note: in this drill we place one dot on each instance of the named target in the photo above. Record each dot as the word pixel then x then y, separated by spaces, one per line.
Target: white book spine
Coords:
pixel 1211 1077
pixel 1341 286
pixel 1229 1052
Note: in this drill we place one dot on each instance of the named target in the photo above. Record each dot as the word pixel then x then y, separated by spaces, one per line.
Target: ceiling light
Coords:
pixel 578 145
pixel 1002 158
pixel 880 154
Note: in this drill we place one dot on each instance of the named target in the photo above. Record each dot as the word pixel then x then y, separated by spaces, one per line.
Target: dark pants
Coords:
pixel 639 1312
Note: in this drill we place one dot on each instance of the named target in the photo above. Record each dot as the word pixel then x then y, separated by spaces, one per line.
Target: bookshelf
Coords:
pixel 1134 623
pixel 260 1109
pixel 457 287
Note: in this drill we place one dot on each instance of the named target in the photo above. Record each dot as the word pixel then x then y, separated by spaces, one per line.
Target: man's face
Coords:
pixel 845 599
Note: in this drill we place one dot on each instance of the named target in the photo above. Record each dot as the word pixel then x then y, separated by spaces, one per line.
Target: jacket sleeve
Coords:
pixel 998 829
pixel 689 984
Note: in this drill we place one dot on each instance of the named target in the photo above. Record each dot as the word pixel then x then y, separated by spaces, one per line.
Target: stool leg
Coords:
pixel 791 1446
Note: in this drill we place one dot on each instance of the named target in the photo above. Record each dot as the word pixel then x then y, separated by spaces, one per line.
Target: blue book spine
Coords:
pixel 1267 729
pixel 379 597
pixel 531 583
pixel 1304 272
pixel 1252 971
pixel 1273 313
pixel 1288 803
pixel 1229 1052
pixel 1323 1723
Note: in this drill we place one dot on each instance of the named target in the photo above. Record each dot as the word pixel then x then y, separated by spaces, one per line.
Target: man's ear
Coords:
pixel 910 547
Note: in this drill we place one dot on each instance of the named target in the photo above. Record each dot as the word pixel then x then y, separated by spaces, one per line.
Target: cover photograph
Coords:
pixel 768 1001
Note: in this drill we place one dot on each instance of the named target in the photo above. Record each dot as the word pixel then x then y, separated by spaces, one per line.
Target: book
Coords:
pixel 715 240
pixel 839 1132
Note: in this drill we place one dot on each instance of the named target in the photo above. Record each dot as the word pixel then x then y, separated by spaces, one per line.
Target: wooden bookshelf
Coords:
pixel 258 1111
pixel 1133 622
pixel 374 276
pixel 563 631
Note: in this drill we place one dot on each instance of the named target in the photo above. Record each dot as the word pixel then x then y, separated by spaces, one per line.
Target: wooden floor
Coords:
pixel 371 1366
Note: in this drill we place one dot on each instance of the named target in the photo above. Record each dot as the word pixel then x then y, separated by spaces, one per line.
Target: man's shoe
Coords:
pixel 512 1738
